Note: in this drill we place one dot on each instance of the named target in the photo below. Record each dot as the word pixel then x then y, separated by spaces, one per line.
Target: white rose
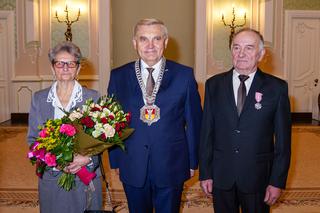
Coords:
pixel 109 131
pixel 85 108
pixel 96 133
pixel 98 106
pixel 95 114
pixel 98 126
pixel 106 111
pixel 75 115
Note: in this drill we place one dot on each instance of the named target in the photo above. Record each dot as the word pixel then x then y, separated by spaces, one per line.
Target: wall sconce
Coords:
pixel 68 22
pixel 233 25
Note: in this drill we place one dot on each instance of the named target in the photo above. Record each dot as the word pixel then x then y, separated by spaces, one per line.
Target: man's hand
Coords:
pixel 191 172
pixel 206 186
pixel 272 195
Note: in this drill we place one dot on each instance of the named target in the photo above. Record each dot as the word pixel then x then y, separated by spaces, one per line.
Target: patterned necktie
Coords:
pixel 150 82
pixel 242 93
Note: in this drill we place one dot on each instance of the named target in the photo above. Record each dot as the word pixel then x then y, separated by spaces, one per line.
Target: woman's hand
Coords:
pixel 78 162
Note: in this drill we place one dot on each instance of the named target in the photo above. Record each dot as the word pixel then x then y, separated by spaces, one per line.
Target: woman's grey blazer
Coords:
pixel 52 198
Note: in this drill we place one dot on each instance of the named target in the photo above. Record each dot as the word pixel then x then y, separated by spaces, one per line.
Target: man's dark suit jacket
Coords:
pixel 168 147
pixel 253 149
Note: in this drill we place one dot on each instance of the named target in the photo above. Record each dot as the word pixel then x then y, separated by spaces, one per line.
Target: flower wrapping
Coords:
pixel 87 145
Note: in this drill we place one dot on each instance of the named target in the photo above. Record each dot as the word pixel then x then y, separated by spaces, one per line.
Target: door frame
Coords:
pixel 9 16
pixel 290 15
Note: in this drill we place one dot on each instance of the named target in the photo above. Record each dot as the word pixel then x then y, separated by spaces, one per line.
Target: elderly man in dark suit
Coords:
pixel 246 132
pixel 162 96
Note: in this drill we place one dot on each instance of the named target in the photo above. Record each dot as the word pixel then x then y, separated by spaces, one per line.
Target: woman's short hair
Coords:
pixel 65 46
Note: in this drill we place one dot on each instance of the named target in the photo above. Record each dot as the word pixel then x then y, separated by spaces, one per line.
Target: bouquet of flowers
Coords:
pixel 88 130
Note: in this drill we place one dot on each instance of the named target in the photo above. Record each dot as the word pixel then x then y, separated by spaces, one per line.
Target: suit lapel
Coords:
pixel 166 77
pixel 136 90
pixel 230 94
pixel 255 87
pixel 165 84
pixel 47 109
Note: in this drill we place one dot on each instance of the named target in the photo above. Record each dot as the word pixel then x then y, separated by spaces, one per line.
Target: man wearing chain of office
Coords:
pixel 164 101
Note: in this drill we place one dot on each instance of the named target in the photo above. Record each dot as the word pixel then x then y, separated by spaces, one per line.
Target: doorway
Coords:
pixel 302 60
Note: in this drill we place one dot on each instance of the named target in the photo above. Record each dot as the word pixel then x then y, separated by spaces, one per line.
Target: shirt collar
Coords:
pixel 236 74
pixel 144 65
pixel 75 97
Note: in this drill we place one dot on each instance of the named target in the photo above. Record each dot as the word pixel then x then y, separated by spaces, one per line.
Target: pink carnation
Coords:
pixel 50 159
pixel 40 154
pixel 43 133
pixel 68 129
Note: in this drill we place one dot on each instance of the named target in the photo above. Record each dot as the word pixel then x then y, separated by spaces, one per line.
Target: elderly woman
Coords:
pixel 65 93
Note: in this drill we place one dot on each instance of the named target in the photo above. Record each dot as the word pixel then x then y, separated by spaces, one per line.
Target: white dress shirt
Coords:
pixel 236 83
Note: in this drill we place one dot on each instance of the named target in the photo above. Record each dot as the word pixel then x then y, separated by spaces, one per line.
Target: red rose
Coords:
pixel 40 167
pixel 117 127
pixel 111 117
pixel 128 117
pixel 104 120
pixel 103 136
pixel 122 125
pixel 94 109
pixel 87 121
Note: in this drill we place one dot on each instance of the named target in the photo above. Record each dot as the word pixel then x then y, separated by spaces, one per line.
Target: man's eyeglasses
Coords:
pixel 70 64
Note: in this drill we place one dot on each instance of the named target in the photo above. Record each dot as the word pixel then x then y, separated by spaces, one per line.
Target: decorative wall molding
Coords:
pixel 32 22
pixel 4 110
pixel 7 61
pixel 266 11
pixel 22 94
pixel 26 78
pixel 301 57
pixel 23 87
pixel 289 16
pixel 104 43
pixel 200 62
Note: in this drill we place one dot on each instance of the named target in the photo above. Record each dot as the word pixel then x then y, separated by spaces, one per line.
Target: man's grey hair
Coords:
pixel 261 43
pixel 148 22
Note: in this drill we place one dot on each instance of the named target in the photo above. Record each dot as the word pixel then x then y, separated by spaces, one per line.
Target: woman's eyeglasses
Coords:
pixel 70 64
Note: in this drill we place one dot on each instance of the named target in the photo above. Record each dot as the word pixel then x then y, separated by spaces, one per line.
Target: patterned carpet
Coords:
pixel 18 184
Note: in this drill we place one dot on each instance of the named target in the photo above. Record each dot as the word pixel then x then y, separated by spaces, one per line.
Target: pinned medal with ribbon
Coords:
pixel 258 97
pixel 149 113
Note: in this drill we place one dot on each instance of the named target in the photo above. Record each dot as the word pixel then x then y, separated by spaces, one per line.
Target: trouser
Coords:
pixel 230 201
